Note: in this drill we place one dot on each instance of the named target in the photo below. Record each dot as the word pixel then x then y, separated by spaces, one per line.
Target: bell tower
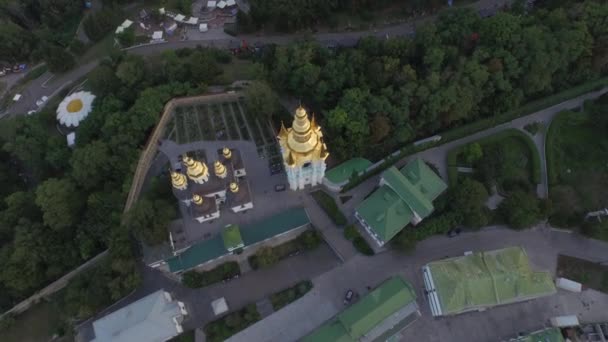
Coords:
pixel 303 151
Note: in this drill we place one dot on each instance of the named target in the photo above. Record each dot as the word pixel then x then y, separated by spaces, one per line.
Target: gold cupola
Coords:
pixel 220 169
pixel 196 171
pixel 197 199
pixel 302 142
pixel 226 153
pixel 178 180
pixel 234 188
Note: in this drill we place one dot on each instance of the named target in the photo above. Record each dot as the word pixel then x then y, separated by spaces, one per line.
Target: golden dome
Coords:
pixel 197 199
pixel 302 138
pixel 226 153
pixel 179 181
pixel 220 169
pixel 234 187
pixel 197 171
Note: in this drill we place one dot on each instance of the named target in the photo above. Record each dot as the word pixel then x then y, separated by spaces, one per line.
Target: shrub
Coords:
pixel 310 239
pixel 362 246
pixel 284 297
pixel 350 232
pixel 328 204
pixel 194 279
pixel 98 24
pixel 77 47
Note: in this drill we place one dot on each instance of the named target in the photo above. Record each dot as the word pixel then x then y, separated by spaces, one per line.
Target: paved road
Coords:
pixel 218 39
pixel 541 244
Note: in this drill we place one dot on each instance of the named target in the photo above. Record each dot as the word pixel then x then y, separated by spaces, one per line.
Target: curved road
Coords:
pixel 38 88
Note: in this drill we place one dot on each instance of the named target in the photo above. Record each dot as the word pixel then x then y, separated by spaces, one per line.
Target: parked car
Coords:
pixel 348 297
pixel 279 187
pixel 453 232
pixel 42 101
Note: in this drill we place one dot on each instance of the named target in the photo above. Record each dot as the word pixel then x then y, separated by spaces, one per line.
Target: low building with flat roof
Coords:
pixel 377 316
pixel 405 197
pixel 156 317
pixel 482 280
pixel 544 335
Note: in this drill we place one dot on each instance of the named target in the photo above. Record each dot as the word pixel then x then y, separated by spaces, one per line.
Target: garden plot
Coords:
pixel 240 121
pixel 218 122
pixel 204 121
pixel 233 131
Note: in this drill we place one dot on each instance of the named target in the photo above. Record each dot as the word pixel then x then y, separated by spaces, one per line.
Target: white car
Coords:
pixel 42 101
pixel 31 112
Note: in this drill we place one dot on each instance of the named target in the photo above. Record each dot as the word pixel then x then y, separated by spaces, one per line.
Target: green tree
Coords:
pixel 472 153
pixel 520 210
pixel 131 71
pixel 467 200
pixel 103 81
pixel 57 58
pixel 266 257
pixel 149 220
pixel 260 100
pixel 90 164
pixel 60 202
pixel 16 44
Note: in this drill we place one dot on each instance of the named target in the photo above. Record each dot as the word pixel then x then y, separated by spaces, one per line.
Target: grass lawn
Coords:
pixel 289 295
pixel 268 256
pixel 39 323
pixel 328 204
pixel 221 329
pixel 590 274
pixel 187 336
pixel 240 69
pixel 577 165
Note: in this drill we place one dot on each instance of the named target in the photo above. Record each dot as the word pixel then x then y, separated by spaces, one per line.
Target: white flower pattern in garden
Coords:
pixel 75 108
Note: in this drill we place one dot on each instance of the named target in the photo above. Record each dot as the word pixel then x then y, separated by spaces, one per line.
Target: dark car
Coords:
pixel 348 297
pixel 453 232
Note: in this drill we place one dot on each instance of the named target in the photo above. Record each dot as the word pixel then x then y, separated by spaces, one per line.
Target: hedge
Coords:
pixel 328 204
pixel 552 132
pixel 468 129
pixel 507 133
pixel 284 297
pixel 194 279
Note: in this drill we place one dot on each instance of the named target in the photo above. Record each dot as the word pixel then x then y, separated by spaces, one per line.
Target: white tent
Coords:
pixel 127 23
pixel 211 4
pixel 221 4
pixel 179 18
pixel 75 108
pixel 203 28
pixel 219 306
pixel 230 3
pixel 71 138
pixel 157 35
pixel 17 97
pixel 161 11
pixel 192 21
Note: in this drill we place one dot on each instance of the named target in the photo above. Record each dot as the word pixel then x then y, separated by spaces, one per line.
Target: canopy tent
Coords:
pixel 157 35
pixel 17 97
pixel 219 306
pixel 230 3
pixel 221 4
pixel 71 138
pixel 125 25
pixel 180 18
pixel 211 4
pixel 171 29
pixel 192 21
pixel 203 28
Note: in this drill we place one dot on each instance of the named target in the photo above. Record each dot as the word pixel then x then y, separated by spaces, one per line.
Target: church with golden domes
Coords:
pixel 204 191
pixel 303 150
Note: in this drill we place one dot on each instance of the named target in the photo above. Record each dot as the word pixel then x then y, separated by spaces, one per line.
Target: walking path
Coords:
pixel 541 244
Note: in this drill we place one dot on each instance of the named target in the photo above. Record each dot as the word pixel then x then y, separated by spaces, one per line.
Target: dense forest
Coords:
pixel 61 207
pixel 386 92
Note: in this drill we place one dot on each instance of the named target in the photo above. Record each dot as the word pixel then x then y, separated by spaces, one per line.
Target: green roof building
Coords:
pixel 379 315
pixel 234 237
pixel 405 196
pixel 481 280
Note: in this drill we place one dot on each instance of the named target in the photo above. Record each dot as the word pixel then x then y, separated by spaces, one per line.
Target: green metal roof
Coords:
pixel 385 212
pixel 197 254
pixel 546 335
pixel 232 237
pixel 424 179
pixel 359 319
pixel 411 190
pixel 344 171
pixel 332 331
pixel 377 306
pixel 272 226
pixel 408 192
pixel 487 279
